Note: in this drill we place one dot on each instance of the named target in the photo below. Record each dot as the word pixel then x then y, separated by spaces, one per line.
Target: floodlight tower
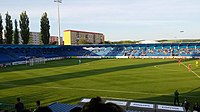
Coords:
pixel 58 2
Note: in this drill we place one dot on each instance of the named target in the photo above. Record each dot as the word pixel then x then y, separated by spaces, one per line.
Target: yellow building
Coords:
pixel 72 37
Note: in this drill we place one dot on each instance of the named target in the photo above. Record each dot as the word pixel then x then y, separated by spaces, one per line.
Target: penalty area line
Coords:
pixel 191 70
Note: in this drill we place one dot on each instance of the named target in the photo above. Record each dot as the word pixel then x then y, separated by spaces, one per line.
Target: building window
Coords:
pixel 86 36
pixel 94 39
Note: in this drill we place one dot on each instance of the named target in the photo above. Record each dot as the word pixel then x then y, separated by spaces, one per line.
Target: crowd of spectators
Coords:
pixel 19 107
pixel 97 105
pixel 186 103
pixel 131 51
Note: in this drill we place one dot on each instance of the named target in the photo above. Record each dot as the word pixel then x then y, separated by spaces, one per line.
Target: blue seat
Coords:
pixel 60 107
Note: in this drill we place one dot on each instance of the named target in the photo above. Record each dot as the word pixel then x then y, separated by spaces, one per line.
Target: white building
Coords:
pixel 148 42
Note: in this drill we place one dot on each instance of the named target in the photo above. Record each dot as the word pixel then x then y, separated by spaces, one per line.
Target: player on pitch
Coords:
pixel 197 63
pixel 179 61
pixel 189 67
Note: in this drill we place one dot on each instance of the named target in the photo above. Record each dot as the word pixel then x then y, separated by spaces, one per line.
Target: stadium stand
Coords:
pixel 126 105
pixel 13 53
pixel 10 54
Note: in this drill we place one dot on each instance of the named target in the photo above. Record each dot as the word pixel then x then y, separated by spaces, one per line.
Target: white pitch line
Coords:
pixel 166 69
pixel 82 89
pixel 191 70
pixel 95 90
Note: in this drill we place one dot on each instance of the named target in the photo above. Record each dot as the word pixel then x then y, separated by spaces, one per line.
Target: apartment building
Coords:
pixel 35 38
pixel 54 40
pixel 72 37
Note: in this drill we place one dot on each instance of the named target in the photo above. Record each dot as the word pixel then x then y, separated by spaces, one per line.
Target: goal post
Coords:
pixel 34 61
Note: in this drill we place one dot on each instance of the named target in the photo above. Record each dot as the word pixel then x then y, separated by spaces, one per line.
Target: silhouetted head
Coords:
pixel 18 99
pixel 38 103
pixel 101 107
pixel 185 99
pixel 96 100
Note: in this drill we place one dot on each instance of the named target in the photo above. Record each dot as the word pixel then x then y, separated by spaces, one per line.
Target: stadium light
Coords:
pixel 58 2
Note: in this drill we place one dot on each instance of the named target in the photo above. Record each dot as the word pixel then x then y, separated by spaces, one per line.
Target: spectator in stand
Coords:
pixel 186 104
pixel 176 97
pixel 41 109
pixel 96 100
pixel 19 106
pixel 96 105
pixel 101 107
pixel 37 106
pixel 88 107
pixel 114 107
pixel 26 110
pixel 196 107
pixel 44 109
pixel 76 109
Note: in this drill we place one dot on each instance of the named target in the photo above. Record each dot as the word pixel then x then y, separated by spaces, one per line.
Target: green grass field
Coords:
pixel 67 81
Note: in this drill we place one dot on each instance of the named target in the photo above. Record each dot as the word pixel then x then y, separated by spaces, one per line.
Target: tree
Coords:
pixel 16 34
pixel 9 29
pixel 1 30
pixel 24 26
pixel 44 24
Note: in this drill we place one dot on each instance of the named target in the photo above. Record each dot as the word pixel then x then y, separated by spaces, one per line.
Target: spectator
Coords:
pixel 26 110
pixel 96 100
pixel 186 104
pixel 101 107
pixel 114 107
pixel 76 109
pixel 37 106
pixel 96 105
pixel 43 109
pixel 196 107
pixel 176 97
pixel 19 106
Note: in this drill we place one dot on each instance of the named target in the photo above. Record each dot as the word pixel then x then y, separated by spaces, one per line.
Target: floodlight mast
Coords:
pixel 58 2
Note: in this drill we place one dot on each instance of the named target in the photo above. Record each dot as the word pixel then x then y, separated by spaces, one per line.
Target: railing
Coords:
pixel 9 107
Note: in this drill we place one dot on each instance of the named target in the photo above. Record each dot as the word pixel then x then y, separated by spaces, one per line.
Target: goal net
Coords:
pixel 34 61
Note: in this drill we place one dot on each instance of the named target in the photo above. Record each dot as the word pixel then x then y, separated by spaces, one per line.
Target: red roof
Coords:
pixel 83 32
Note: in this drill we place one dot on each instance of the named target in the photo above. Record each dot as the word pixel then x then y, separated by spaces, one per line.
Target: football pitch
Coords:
pixel 67 81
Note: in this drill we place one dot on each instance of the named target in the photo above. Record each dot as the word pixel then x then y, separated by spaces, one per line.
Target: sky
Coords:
pixel 116 19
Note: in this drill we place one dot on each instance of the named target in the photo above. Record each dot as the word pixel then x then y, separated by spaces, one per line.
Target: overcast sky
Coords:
pixel 117 19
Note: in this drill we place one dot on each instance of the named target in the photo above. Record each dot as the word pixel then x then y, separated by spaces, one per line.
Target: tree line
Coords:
pixel 12 36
